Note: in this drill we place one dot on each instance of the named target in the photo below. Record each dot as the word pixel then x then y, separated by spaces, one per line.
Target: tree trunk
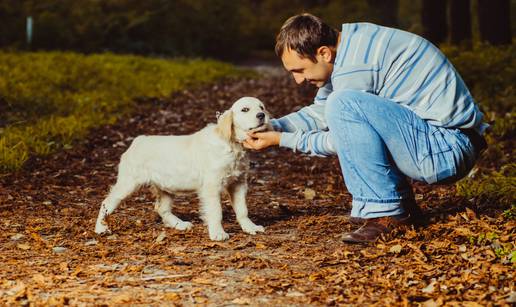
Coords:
pixel 494 21
pixel 384 12
pixel 460 22
pixel 433 20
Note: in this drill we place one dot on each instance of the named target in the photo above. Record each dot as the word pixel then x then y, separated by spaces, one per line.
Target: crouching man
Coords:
pixel 390 105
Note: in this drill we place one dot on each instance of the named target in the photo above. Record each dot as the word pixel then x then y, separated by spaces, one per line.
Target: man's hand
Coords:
pixel 261 140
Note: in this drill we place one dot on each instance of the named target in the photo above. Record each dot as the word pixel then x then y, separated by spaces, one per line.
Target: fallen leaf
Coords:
pixel 17 236
pixel 40 279
pixel 430 288
pixel 512 298
pixel 309 194
pixel 260 246
pixel 59 249
pixel 171 296
pixel 294 294
pixel 471 214
pixel 17 291
pixel 91 242
pixel 121 298
pixel 430 303
pixel 23 246
pixel 63 266
pixel 241 301
pixel 396 249
pixel 162 235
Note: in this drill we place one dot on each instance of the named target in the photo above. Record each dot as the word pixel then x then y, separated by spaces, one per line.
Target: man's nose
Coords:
pixel 260 116
pixel 299 79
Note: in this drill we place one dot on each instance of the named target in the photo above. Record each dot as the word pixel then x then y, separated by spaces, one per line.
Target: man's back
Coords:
pixel 404 68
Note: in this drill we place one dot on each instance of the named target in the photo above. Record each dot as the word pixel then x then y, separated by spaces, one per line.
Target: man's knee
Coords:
pixel 343 103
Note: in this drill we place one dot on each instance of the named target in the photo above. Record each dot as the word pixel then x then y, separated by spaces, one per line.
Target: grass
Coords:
pixel 48 100
pixel 490 73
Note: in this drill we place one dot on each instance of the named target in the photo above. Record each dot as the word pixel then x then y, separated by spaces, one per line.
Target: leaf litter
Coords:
pixel 50 255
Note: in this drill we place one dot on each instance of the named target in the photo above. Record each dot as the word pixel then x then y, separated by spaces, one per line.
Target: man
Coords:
pixel 389 104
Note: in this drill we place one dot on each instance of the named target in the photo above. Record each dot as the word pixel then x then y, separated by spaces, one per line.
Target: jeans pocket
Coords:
pixel 439 162
pixel 440 140
pixel 432 144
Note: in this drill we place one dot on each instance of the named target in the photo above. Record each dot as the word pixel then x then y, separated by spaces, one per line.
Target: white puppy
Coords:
pixel 207 162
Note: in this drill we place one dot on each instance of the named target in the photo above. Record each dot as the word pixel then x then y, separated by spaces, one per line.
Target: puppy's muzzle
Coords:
pixel 260 116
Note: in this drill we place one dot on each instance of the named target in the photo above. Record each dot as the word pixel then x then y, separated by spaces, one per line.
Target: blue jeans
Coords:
pixel 380 143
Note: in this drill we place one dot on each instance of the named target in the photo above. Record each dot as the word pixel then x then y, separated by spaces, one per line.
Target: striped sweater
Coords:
pixel 390 63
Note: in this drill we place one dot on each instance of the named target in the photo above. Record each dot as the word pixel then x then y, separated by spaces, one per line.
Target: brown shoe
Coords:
pixel 374 228
pixel 417 217
pixel 356 220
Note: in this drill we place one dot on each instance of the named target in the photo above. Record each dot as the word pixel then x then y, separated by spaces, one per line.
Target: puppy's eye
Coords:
pixel 262 108
pixel 246 109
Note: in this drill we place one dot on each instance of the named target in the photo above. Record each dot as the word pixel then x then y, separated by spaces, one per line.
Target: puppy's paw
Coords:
pixel 251 228
pixel 183 225
pixel 101 228
pixel 176 223
pixel 219 235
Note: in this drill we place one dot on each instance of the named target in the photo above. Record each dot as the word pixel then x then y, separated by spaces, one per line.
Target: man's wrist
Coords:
pixel 277 138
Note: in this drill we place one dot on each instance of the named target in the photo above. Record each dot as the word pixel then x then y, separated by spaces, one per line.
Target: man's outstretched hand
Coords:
pixel 261 140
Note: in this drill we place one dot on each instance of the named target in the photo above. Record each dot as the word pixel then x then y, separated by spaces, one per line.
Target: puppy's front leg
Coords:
pixel 238 191
pixel 212 211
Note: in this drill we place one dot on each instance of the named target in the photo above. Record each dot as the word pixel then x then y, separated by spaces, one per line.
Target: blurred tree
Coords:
pixel 50 28
pixel 494 21
pixel 208 28
pixel 433 20
pixel 314 3
pixel 12 29
pixel 409 15
pixel 460 22
pixel 384 12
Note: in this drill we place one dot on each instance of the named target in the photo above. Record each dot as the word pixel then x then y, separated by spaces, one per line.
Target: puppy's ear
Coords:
pixel 225 125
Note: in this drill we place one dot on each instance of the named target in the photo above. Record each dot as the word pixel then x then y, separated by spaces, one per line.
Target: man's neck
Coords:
pixel 334 50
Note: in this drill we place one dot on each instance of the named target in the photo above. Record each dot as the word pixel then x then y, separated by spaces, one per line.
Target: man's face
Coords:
pixel 303 69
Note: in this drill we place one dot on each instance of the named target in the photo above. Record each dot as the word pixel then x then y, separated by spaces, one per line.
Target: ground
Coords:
pixel 49 253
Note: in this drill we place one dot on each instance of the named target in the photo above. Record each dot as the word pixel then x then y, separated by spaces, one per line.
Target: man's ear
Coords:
pixel 325 53
pixel 225 125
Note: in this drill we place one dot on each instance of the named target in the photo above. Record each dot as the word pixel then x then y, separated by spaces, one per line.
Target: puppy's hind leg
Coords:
pixel 123 188
pixel 163 207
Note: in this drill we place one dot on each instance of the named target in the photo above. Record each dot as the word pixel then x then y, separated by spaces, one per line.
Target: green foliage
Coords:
pixel 504 126
pixel 490 73
pixel 510 213
pixel 48 100
pixel 504 251
pixel 512 257
pixel 180 27
pixel 492 186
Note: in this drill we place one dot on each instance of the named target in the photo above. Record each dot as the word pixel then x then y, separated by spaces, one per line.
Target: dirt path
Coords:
pixel 50 254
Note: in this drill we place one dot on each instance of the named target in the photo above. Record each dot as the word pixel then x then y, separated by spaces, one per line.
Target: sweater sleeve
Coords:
pixel 306 130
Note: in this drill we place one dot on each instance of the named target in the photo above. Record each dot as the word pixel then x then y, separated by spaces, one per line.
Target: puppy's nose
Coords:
pixel 260 116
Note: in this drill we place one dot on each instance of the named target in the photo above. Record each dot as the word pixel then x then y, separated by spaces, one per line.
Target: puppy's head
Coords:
pixel 247 114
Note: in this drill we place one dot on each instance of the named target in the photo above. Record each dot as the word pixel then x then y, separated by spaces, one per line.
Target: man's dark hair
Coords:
pixel 305 33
